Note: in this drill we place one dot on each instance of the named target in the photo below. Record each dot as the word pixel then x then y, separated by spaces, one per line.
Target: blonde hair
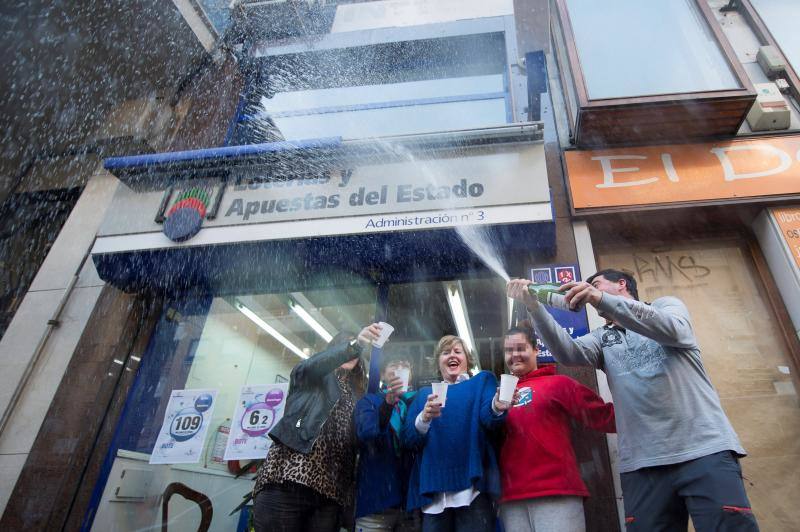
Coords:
pixel 446 343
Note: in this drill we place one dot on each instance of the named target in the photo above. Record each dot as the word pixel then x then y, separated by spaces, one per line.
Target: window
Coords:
pixel 774 23
pixel 649 72
pixel 422 312
pixel 392 109
pixel 386 89
pixel 780 16
pixel 218 13
pixel 223 344
pixel 631 48
pixel 220 344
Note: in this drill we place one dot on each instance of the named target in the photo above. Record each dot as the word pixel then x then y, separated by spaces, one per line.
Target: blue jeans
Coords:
pixel 291 507
pixel 477 517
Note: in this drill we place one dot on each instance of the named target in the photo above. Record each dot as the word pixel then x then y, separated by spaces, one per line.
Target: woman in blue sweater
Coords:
pixel 455 476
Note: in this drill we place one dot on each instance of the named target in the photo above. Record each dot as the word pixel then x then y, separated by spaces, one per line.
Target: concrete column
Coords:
pixel 588 266
pixel 30 323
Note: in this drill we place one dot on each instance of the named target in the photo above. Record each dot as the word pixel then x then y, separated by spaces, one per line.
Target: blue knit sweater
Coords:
pixel 455 453
pixel 382 474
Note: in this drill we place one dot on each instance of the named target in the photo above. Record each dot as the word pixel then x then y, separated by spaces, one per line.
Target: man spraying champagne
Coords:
pixel 679 454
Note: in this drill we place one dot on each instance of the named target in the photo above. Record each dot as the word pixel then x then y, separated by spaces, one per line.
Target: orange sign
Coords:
pixel 788 219
pixel 684 172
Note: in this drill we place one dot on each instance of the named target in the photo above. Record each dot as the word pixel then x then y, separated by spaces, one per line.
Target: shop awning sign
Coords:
pixel 741 169
pixel 476 186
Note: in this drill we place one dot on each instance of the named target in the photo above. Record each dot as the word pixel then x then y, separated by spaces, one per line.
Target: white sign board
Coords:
pixel 183 433
pixel 407 190
pixel 259 408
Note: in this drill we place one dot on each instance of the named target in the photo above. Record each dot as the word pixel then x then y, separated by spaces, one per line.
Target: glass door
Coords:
pixel 222 346
pixel 475 309
pixel 225 347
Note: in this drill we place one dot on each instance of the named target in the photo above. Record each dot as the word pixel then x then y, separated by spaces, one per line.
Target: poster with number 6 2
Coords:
pixel 183 433
pixel 258 409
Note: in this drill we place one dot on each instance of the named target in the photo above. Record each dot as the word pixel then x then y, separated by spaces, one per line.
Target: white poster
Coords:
pixel 183 433
pixel 259 408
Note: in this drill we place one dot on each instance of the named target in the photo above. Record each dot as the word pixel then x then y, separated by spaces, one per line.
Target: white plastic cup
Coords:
pixel 386 331
pixel 404 374
pixel 508 383
pixel 440 390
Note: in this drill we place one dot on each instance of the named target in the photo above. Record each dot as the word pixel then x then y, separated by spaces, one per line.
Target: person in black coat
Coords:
pixel 307 478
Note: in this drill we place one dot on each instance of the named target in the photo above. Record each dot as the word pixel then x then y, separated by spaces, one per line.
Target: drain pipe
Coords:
pixel 52 323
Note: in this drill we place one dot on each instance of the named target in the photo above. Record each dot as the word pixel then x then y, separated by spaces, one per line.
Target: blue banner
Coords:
pixel 575 323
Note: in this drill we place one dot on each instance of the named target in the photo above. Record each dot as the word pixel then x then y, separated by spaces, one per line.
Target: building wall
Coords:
pixel 199 118
pixel 65 260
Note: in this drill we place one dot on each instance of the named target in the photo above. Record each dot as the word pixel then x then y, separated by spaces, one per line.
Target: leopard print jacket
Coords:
pixel 329 468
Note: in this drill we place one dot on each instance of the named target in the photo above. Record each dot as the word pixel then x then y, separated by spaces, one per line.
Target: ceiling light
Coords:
pixel 241 307
pixel 455 298
pixel 303 314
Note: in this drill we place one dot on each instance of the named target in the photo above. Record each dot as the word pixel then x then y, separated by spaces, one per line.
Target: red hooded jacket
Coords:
pixel 537 459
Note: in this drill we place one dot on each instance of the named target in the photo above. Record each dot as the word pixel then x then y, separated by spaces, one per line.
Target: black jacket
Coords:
pixel 313 392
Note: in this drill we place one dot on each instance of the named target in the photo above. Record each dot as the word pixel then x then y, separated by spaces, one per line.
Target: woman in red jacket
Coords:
pixel 542 486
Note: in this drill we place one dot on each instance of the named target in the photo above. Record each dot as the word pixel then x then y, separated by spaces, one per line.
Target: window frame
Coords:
pixel 576 81
pixel 512 78
pixel 765 38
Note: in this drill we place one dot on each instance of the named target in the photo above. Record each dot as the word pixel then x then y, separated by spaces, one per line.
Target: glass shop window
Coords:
pixel 221 346
pixel 631 48
pixel 780 17
pixel 648 72
pixel 381 90
pixel 234 356
pixel 475 310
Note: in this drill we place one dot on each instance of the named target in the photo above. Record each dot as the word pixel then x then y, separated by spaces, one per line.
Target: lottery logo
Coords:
pixel 541 275
pixel 203 402
pixel 259 417
pixel 184 219
pixel 565 274
pixel 187 423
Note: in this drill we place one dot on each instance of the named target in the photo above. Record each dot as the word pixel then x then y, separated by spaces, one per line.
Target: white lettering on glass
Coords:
pixel 608 171
pixel 730 172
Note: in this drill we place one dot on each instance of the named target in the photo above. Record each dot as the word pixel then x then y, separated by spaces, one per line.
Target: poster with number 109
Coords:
pixel 259 408
pixel 183 433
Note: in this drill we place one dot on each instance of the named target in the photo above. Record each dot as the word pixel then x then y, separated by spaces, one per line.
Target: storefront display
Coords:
pixel 272 272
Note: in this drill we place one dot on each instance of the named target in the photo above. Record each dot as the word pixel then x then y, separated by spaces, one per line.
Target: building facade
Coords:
pixel 339 163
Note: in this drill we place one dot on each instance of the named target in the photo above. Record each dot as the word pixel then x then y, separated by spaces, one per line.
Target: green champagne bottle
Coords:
pixel 548 294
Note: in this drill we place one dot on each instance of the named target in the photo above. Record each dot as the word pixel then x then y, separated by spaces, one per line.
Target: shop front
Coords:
pixel 712 224
pixel 262 253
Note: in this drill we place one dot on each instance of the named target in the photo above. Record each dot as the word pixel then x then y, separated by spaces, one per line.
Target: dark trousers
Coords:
pixel 477 517
pixel 710 489
pixel 291 507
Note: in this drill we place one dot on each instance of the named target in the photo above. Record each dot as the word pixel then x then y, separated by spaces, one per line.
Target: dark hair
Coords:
pixel 390 356
pixel 358 376
pixel 616 275
pixel 525 329
pixel 341 337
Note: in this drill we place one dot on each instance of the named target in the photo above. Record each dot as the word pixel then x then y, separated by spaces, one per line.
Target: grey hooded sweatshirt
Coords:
pixel 667 410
